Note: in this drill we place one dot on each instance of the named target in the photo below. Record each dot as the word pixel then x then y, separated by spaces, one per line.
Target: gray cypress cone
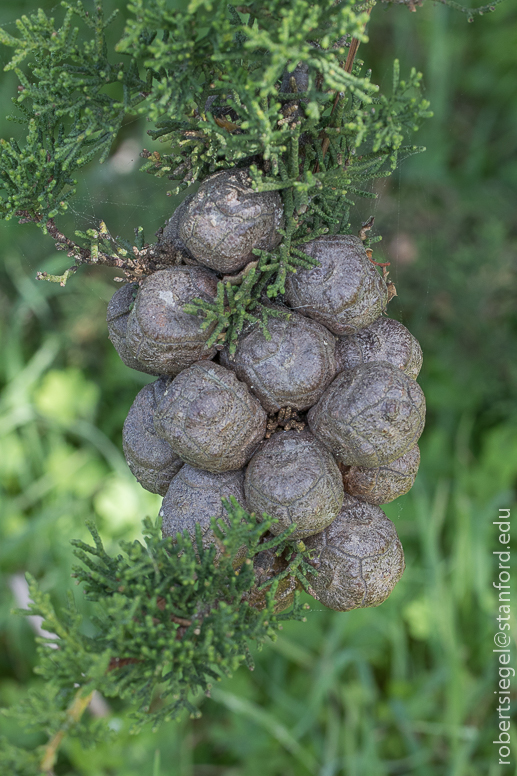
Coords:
pixel 360 558
pixel 210 418
pixel 267 565
pixel 292 368
pixel 369 416
pixel 385 484
pixel 294 478
pixel 151 459
pixel 383 340
pixel 160 335
pixel 345 292
pixel 194 496
pixel 117 316
pixel 170 248
pixel 226 220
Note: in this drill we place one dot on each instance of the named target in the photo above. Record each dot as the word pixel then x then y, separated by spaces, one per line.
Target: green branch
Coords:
pixel 171 617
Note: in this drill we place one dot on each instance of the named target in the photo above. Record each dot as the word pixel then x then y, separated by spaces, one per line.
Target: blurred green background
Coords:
pixel 407 688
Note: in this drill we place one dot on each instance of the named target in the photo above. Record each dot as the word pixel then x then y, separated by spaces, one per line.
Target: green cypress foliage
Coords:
pixel 170 618
pixel 213 78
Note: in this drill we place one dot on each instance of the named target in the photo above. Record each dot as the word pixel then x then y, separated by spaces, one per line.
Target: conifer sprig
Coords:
pixel 214 78
pixel 62 98
pixel 364 143
pixel 171 617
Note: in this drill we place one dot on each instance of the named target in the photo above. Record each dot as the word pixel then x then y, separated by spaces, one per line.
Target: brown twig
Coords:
pixel 377 263
pixel 120 662
pixel 362 236
pixel 366 228
pixel 392 291
pixel 162 603
pixel 135 268
pixel 352 51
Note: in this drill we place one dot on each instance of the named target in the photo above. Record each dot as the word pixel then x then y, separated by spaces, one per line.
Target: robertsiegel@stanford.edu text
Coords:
pixel 502 638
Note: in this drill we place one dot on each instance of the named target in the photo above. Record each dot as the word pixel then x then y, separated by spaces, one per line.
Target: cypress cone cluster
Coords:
pixel 315 422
